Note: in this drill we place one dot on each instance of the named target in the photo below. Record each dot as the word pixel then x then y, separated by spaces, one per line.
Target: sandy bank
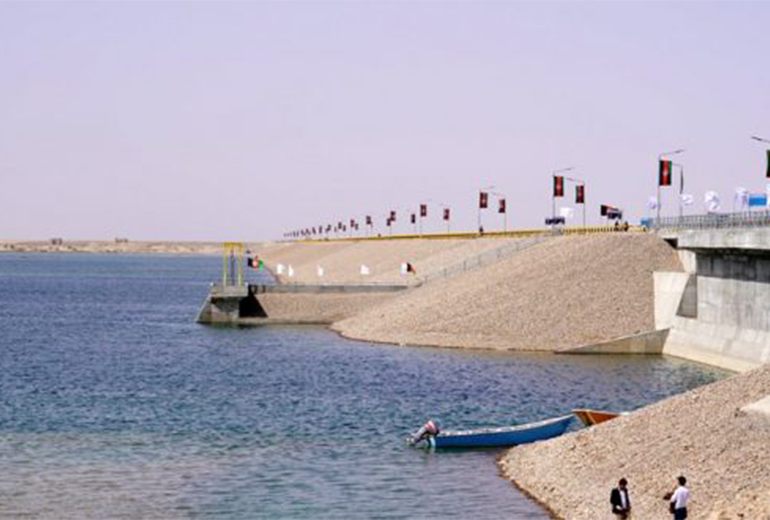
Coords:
pixel 563 292
pixel 702 434
pixel 109 246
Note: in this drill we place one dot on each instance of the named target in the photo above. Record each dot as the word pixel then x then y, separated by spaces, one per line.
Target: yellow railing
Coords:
pixel 232 263
pixel 513 233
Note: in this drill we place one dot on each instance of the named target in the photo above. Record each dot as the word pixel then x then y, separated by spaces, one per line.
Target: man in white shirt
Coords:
pixel 679 500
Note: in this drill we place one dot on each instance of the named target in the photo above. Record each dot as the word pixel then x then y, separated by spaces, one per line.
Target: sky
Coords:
pixel 244 120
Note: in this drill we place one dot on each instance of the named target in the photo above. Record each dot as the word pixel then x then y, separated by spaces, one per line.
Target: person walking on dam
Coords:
pixel 678 499
pixel 621 502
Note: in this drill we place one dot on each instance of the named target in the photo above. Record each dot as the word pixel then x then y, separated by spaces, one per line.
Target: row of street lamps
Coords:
pixel 666 168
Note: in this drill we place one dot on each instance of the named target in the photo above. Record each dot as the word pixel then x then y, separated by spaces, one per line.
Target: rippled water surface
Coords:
pixel 113 403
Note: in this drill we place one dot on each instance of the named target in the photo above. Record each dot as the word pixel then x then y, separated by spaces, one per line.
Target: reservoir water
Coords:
pixel 113 403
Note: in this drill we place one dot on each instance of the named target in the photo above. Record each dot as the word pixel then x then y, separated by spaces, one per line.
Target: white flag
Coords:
pixel 404 268
pixel 742 198
pixel 712 201
pixel 652 203
pixel 567 213
pixel 364 270
pixel 291 271
pixel 320 271
pixel 686 199
pixel 279 268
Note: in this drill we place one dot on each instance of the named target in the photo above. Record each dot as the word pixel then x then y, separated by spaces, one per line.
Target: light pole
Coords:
pixel 553 193
pixel 681 173
pixel 483 196
pixel 766 141
pixel 582 183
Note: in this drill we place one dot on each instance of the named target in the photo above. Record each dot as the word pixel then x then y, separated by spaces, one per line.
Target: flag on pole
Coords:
pixel 413 218
pixel 712 202
pixel 483 200
pixel 558 186
pixel 423 210
pixel 501 206
pixel 393 215
pixel 664 172
pixel 446 213
pixel 742 198
pixel 368 220
pixel 580 194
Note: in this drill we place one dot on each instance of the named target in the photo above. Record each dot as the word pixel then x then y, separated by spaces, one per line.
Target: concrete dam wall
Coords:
pixel 723 312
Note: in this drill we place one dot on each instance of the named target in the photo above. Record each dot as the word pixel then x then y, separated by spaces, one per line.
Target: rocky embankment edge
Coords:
pixel 703 434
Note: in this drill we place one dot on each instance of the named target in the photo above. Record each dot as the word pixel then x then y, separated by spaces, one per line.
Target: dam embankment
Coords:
pixel 566 291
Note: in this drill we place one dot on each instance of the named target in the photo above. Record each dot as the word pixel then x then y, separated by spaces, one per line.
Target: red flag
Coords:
pixel 423 210
pixel 664 172
pixel 501 206
pixel 392 215
pixel 580 194
pixel 446 213
pixel 558 186
pixel 483 199
pixel 368 220
pixel 414 218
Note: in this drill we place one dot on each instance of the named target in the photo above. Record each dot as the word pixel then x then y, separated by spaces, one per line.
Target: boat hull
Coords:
pixel 501 437
pixel 591 417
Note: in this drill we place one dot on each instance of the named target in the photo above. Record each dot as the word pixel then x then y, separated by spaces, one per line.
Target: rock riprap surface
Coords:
pixel 564 292
pixel 702 434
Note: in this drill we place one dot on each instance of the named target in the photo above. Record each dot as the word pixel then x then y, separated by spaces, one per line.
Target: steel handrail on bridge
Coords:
pixel 744 219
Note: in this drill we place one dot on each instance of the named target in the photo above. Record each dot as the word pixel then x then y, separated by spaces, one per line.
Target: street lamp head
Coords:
pixel 681 150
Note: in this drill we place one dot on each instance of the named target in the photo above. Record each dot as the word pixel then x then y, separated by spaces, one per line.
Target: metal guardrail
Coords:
pixel 485 258
pixel 712 221
pixel 511 233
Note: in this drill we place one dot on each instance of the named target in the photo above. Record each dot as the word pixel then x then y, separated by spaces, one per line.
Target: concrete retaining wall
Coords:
pixel 650 342
pixel 669 288
pixel 291 303
pixel 726 346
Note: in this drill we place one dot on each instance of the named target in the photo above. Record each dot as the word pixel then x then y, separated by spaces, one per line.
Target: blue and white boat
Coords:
pixel 499 437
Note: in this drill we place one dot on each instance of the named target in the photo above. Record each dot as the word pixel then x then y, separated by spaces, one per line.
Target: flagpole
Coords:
pixel 553 193
pixel 660 201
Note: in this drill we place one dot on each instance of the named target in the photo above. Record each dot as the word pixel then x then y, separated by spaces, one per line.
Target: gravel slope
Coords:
pixel 564 292
pixel 702 434
pixel 342 261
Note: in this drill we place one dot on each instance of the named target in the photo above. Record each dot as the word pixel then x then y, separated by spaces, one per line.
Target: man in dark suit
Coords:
pixel 621 502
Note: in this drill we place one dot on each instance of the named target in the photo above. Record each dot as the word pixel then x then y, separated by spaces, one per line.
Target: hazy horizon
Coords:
pixel 243 120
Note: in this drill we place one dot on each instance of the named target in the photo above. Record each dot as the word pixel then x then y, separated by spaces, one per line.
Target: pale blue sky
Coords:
pixel 196 120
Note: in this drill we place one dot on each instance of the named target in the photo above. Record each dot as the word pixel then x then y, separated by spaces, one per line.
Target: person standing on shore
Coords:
pixel 621 502
pixel 678 500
